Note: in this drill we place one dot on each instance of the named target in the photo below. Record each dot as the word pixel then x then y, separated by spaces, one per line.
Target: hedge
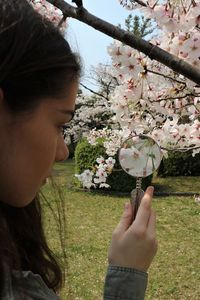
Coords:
pixel 180 164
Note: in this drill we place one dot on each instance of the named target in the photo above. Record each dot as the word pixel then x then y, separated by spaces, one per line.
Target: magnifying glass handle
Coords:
pixel 136 197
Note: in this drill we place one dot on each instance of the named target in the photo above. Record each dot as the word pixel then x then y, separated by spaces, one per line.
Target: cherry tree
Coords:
pixel 152 99
pixel 92 111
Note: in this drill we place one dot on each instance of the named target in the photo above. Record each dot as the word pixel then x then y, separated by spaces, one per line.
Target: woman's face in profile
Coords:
pixel 30 145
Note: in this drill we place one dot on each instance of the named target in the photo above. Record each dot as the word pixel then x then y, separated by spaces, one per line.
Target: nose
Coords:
pixel 62 151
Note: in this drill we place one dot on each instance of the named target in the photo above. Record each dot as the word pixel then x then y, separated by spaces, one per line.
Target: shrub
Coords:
pixel 86 155
pixel 180 164
pixel 119 181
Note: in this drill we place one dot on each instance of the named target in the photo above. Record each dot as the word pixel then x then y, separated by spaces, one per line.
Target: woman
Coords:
pixel 39 78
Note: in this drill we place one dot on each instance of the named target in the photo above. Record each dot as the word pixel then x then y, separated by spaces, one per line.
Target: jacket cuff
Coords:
pixel 124 283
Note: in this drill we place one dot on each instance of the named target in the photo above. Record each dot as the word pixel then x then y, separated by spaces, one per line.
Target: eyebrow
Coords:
pixel 66 111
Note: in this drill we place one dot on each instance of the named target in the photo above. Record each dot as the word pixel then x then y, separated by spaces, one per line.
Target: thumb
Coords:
pixel 126 219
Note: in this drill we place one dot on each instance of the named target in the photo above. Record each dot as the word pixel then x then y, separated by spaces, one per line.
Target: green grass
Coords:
pixel 91 219
pixel 177 184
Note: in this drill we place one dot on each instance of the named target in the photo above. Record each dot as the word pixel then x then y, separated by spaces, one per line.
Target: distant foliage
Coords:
pixel 180 164
pixel 139 25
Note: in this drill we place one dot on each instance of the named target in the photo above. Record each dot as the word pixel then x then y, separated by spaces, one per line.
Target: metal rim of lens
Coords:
pixel 147 137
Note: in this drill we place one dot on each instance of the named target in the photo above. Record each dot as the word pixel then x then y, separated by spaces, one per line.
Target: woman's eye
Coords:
pixel 63 129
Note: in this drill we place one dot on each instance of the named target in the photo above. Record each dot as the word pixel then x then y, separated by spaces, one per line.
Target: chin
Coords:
pixel 20 204
pixel 22 201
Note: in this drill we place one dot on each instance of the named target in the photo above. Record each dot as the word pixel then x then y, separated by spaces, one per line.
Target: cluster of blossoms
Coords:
pixel 112 139
pixel 180 24
pixel 90 113
pixel 151 98
pixel 98 176
pixel 50 12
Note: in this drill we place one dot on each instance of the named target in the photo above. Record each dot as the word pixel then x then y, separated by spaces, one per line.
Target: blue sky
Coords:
pixel 91 44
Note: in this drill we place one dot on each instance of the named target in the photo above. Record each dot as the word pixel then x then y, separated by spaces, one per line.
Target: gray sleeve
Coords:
pixel 33 287
pixel 124 283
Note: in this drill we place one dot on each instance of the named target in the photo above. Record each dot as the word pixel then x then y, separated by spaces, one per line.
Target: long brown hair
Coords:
pixel 36 62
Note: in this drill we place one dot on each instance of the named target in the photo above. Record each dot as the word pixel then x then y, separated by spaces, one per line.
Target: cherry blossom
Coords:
pixel 97 177
pixel 49 11
pixel 86 178
pixel 197 199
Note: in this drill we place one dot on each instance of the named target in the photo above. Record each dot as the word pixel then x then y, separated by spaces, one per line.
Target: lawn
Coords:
pixel 91 219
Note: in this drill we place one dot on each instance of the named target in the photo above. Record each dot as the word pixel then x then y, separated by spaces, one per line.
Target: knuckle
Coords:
pixel 140 233
pixel 127 215
pixel 146 204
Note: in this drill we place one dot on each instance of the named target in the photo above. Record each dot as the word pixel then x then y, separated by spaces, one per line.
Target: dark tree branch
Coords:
pixel 152 51
pixel 96 93
pixel 79 3
pixel 180 149
pixel 62 21
pixel 140 2
pixel 166 76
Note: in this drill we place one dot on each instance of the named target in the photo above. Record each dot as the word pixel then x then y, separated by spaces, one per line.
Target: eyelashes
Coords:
pixel 63 129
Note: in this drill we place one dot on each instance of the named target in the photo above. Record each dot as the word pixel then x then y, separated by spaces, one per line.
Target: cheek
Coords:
pixel 26 158
pixel 24 169
pixel 46 152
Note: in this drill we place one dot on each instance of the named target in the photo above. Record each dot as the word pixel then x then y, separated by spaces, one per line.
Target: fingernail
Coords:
pixel 151 189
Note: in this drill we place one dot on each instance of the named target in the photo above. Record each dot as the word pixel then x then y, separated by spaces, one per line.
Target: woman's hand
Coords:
pixel 134 243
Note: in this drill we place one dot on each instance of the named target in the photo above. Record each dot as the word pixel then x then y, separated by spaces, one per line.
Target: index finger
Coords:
pixel 144 211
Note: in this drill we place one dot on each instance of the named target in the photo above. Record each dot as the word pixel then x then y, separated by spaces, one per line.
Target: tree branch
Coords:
pixel 140 2
pixel 180 149
pixel 96 93
pixel 152 51
pixel 166 76
pixel 62 21
pixel 79 3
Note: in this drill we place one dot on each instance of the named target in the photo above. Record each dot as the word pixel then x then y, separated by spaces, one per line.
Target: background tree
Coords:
pixel 139 25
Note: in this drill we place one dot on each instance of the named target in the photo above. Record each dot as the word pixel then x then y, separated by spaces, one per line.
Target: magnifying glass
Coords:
pixel 139 156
